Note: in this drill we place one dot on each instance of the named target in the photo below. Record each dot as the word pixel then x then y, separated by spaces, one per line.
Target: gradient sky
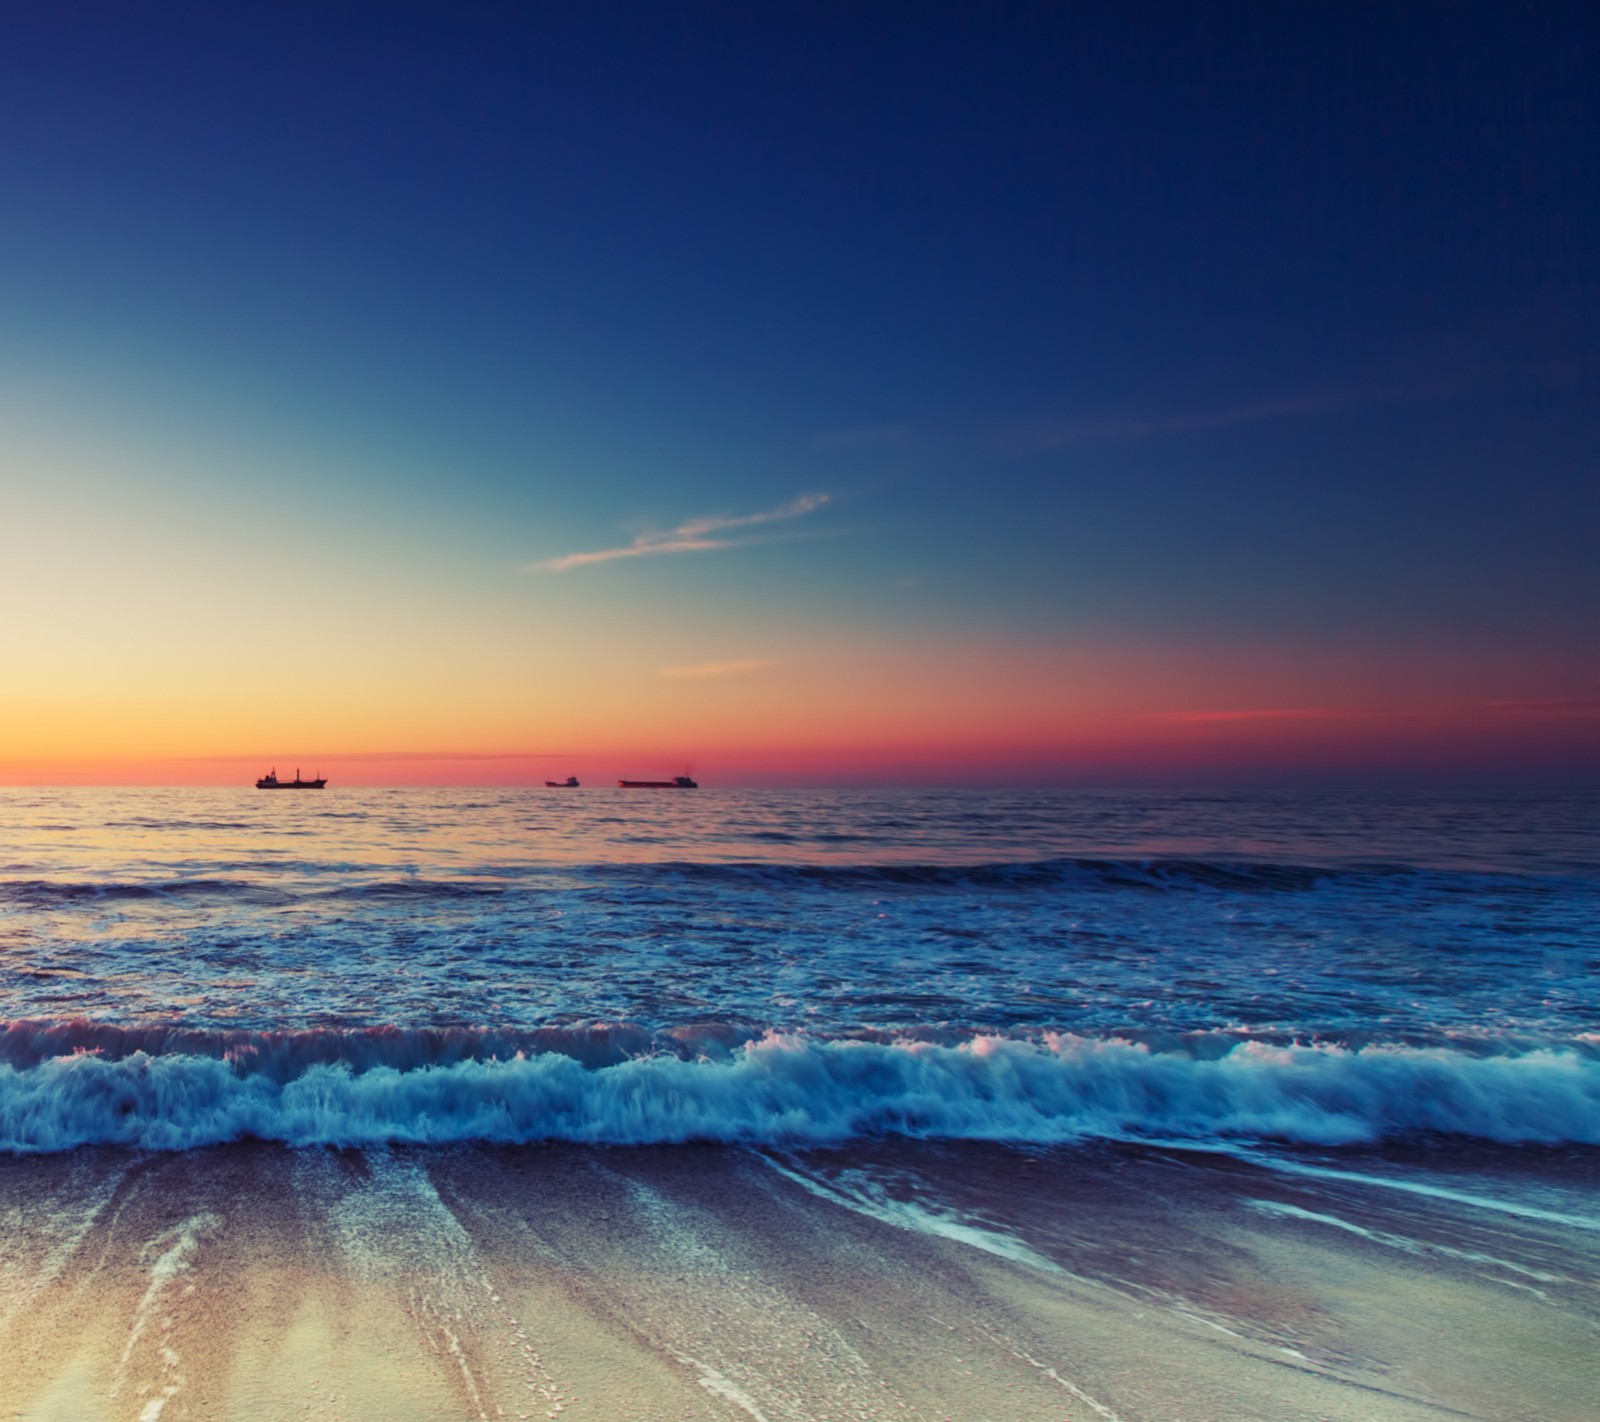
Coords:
pixel 471 393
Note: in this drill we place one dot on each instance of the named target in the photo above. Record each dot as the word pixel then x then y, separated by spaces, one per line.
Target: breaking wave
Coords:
pixel 790 1090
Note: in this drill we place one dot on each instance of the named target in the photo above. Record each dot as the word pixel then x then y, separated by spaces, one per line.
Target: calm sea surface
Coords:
pixel 184 966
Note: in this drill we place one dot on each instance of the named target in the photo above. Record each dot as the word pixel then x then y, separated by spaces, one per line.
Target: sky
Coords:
pixel 800 394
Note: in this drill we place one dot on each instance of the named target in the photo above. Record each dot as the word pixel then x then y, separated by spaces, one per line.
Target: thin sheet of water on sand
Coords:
pixel 905 1280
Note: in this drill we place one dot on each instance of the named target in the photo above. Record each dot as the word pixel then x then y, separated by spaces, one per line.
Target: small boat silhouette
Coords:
pixel 678 782
pixel 570 783
pixel 270 781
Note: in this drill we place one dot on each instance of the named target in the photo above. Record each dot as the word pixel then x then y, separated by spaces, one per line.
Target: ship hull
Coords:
pixel 655 785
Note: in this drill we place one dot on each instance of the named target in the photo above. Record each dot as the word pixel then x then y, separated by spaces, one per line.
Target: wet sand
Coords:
pixel 894 1281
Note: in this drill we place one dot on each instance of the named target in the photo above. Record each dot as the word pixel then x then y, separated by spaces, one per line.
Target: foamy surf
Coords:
pixel 795 1090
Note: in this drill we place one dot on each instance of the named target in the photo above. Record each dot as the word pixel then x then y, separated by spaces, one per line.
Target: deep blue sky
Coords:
pixel 1237 325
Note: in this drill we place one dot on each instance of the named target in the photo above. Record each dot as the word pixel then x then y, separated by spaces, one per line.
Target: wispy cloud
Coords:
pixel 695 535
pixel 1560 706
pixel 1284 713
pixel 708 669
pixel 1045 435
pixel 1546 346
pixel 1540 708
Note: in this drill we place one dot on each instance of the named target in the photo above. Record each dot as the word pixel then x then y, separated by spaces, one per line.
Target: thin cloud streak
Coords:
pixel 1542 708
pixel 1550 706
pixel 1540 347
pixel 709 669
pixel 692 536
pixel 1048 435
pixel 1290 713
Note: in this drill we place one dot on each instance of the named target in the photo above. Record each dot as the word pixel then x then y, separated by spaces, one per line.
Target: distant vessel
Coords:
pixel 678 782
pixel 270 781
pixel 570 783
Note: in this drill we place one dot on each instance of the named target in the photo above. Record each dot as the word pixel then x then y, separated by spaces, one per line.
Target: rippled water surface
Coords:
pixel 612 925
pixel 831 911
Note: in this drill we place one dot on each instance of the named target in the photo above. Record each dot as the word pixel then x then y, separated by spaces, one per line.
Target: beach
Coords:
pixel 798 1107
pixel 950 1281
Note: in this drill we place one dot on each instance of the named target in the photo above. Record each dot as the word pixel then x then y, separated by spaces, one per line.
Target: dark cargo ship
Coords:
pixel 270 781
pixel 678 782
pixel 570 783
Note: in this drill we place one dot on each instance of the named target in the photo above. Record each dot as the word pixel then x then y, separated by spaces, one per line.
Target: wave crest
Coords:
pixel 795 1090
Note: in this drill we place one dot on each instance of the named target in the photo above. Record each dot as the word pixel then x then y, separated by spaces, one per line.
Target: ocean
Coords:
pixel 1300 1088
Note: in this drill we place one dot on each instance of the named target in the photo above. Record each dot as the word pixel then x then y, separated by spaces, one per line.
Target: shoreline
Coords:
pixel 886 1279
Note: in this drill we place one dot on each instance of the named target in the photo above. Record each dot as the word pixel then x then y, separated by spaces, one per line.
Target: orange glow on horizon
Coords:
pixel 1545 737
pixel 482 709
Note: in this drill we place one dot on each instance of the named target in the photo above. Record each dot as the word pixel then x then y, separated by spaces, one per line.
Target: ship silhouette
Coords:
pixel 270 781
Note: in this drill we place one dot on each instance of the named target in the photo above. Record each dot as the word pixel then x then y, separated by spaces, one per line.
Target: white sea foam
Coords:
pixel 1421 1247
pixel 857 1191
pixel 790 1089
pixel 1521 1209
